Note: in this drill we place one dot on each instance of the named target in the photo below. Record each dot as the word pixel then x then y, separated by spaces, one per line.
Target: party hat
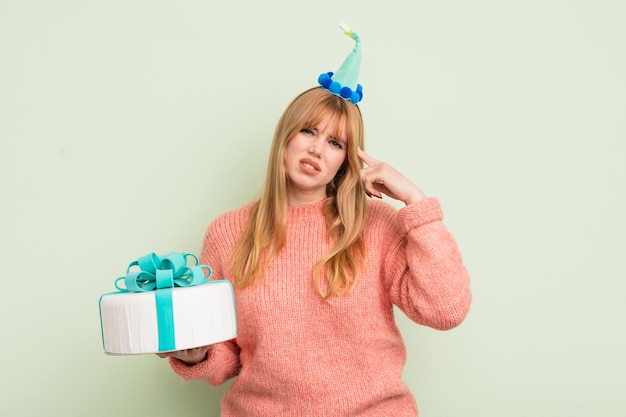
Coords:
pixel 344 83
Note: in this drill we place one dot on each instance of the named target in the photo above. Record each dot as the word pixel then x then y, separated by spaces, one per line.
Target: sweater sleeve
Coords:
pixel 424 270
pixel 222 362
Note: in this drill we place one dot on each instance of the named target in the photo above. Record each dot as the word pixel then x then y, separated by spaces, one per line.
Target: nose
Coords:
pixel 316 146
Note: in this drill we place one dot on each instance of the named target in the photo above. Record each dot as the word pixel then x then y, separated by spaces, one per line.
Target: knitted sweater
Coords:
pixel 298 355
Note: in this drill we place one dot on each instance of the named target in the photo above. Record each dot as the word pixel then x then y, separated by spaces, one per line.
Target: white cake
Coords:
pixel 203 315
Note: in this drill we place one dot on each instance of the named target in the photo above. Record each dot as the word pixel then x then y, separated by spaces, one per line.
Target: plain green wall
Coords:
pixel 127 126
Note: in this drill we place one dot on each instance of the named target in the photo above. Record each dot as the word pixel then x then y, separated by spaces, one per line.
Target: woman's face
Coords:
pixel 312 158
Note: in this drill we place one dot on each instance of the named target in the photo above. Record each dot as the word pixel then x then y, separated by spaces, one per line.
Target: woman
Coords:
pixel 317 268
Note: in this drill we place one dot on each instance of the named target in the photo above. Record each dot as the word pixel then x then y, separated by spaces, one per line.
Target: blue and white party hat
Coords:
pixel 344 83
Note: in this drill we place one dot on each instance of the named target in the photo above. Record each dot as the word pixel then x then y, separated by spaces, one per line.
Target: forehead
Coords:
pixel 330 122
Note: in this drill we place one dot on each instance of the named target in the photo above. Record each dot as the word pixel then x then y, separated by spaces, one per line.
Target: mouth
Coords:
pixel 310 165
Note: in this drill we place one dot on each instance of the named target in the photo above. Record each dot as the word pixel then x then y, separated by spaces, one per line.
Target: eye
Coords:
pixel 336 144
pixel 306 131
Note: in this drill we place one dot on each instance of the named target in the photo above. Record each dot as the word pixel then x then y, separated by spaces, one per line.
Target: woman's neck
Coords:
pixel 304 199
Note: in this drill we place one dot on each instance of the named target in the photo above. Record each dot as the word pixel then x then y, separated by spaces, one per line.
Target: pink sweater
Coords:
pixel 297 355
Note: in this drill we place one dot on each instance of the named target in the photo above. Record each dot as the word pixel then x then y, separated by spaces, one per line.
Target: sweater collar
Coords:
pixel 306 211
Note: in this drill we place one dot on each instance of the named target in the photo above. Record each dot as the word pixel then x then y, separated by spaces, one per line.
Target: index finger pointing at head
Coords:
pixel 366 158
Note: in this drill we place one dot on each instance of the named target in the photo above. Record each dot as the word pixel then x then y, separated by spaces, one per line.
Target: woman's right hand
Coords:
pixel 189 356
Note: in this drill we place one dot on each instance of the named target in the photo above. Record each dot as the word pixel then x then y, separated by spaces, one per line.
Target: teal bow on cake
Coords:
pixel 163 273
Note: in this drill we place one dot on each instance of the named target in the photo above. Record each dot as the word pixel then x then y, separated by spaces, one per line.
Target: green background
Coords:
pixel 127 126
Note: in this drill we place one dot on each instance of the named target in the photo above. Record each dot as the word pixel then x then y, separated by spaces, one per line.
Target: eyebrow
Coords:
pixel 331 137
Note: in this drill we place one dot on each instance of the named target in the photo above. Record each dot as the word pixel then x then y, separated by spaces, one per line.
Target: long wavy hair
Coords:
pixel 344 208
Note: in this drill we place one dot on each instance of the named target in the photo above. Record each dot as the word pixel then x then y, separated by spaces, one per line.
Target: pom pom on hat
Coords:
pixel 344 83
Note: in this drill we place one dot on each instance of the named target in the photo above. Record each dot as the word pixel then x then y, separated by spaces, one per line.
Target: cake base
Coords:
pixel 203 315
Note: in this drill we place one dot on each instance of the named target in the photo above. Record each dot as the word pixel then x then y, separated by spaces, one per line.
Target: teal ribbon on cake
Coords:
pixel 162 274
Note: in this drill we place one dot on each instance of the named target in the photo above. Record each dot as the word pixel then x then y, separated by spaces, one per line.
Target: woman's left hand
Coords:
pixel 381 178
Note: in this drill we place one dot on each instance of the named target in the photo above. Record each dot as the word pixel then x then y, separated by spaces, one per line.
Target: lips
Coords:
pixel 309 165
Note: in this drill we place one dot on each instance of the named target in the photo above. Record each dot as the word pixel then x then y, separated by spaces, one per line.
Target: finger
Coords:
pixel 366 158
pixel 371 186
